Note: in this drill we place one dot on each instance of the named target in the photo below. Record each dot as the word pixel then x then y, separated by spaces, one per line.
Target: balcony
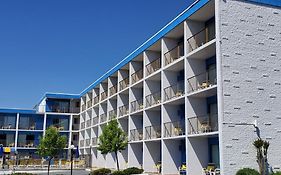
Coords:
pixel 136 134
pixel 153 66
pixel 137 105
pixel 202 37
pixel 95 121
pixel 88 141
pixel 113 90
pixel 28 140
pixel 202 81
pixel 103 95
pixel 89 103
pixel 94 141
pixel 203 124
pixel 75 127
pixel 152 132
pixel 174 91
pixel 82 143
pixel 112 114
pixel 96 99
pixel 124 84
pixel 83 107
pixel 137 76
pixel 88 123
pixel 82 125
pixel 123 110
pixel 7 140
pixel 7 121
pixel 174 54
pixel 153 99
pixel 103 118
pixel 173 129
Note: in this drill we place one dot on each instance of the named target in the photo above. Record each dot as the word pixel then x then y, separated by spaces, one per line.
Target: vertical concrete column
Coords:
pixel 44 124
pixel 17 130
pixel 70 130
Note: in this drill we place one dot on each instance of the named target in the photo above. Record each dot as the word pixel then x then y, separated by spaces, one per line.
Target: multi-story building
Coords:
pixel 21 129
pixel 198 92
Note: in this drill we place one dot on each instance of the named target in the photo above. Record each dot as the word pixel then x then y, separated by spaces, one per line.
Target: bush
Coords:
pixel 133 170
pixel 247 171
pixel 277 173
pixel 101 171
pixel 118 173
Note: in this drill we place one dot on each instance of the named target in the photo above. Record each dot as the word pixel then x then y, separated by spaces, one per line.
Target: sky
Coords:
pixel 64 46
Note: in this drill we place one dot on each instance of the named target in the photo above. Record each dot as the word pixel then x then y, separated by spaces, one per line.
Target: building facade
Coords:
pixel 198 92
pixel 21 129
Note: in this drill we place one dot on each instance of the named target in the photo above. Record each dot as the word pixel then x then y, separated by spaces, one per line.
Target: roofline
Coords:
pixel 276 3
pixel 171 25
pixel 18 110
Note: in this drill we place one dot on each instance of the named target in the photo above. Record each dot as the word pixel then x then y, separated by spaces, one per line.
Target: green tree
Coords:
pixel 112 140
pixel 51 144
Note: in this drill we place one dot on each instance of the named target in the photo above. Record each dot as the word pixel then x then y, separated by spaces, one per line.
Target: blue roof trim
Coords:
pixel 192 9
pixel 268 2
pixel 13 110
pixel 62 96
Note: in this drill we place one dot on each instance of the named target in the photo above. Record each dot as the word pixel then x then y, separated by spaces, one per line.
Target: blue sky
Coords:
pixel 63 46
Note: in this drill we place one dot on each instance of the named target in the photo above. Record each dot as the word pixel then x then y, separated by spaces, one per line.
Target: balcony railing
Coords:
pixel 202 81
pixel 28 143
pixel 94 141
pixel 137 105
pixel 8 142
pixel 103 118
pixel 124 83
pixel 95 121
pixel 113 90
pixel 172 129
pixel 96 100
pixel 89 104
pixel 152 132
pixel 112 114
pixel 64 109
pixel 153 66
pixel 82 125
pixel 123 110
pixel 75 127
pixel 203 124
pixel 202 37
pixel 83 107
pixel 138 75
pixel 174 53
pixel 174 91
pixel 153 99
pixel 103 95
pixel 88 123
pixel 82 143
pixel 88 141
pixel 136 134
pixel 7 126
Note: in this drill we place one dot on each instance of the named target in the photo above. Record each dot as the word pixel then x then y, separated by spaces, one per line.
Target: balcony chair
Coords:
pixel 206 127
pixel 182 169
pixel 178 131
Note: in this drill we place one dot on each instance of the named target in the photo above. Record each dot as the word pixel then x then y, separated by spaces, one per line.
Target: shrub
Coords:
pixel 118 173
pixel 247 171
pixel 101 171
pixel 277 173
pixel 133 170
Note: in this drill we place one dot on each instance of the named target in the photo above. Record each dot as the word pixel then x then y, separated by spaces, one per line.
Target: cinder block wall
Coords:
pixel 251 82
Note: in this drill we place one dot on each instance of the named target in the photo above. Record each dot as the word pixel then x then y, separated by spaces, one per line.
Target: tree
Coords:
pixel 51 144
pixel 112 139
pixel 262 149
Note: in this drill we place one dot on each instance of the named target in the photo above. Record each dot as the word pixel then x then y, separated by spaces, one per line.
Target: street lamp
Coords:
pixel 71 158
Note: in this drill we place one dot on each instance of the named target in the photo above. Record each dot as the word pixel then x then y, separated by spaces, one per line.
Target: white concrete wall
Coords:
pixel 250 40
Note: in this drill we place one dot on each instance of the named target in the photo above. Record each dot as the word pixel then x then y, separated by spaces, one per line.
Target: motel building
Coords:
pixel 197 93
